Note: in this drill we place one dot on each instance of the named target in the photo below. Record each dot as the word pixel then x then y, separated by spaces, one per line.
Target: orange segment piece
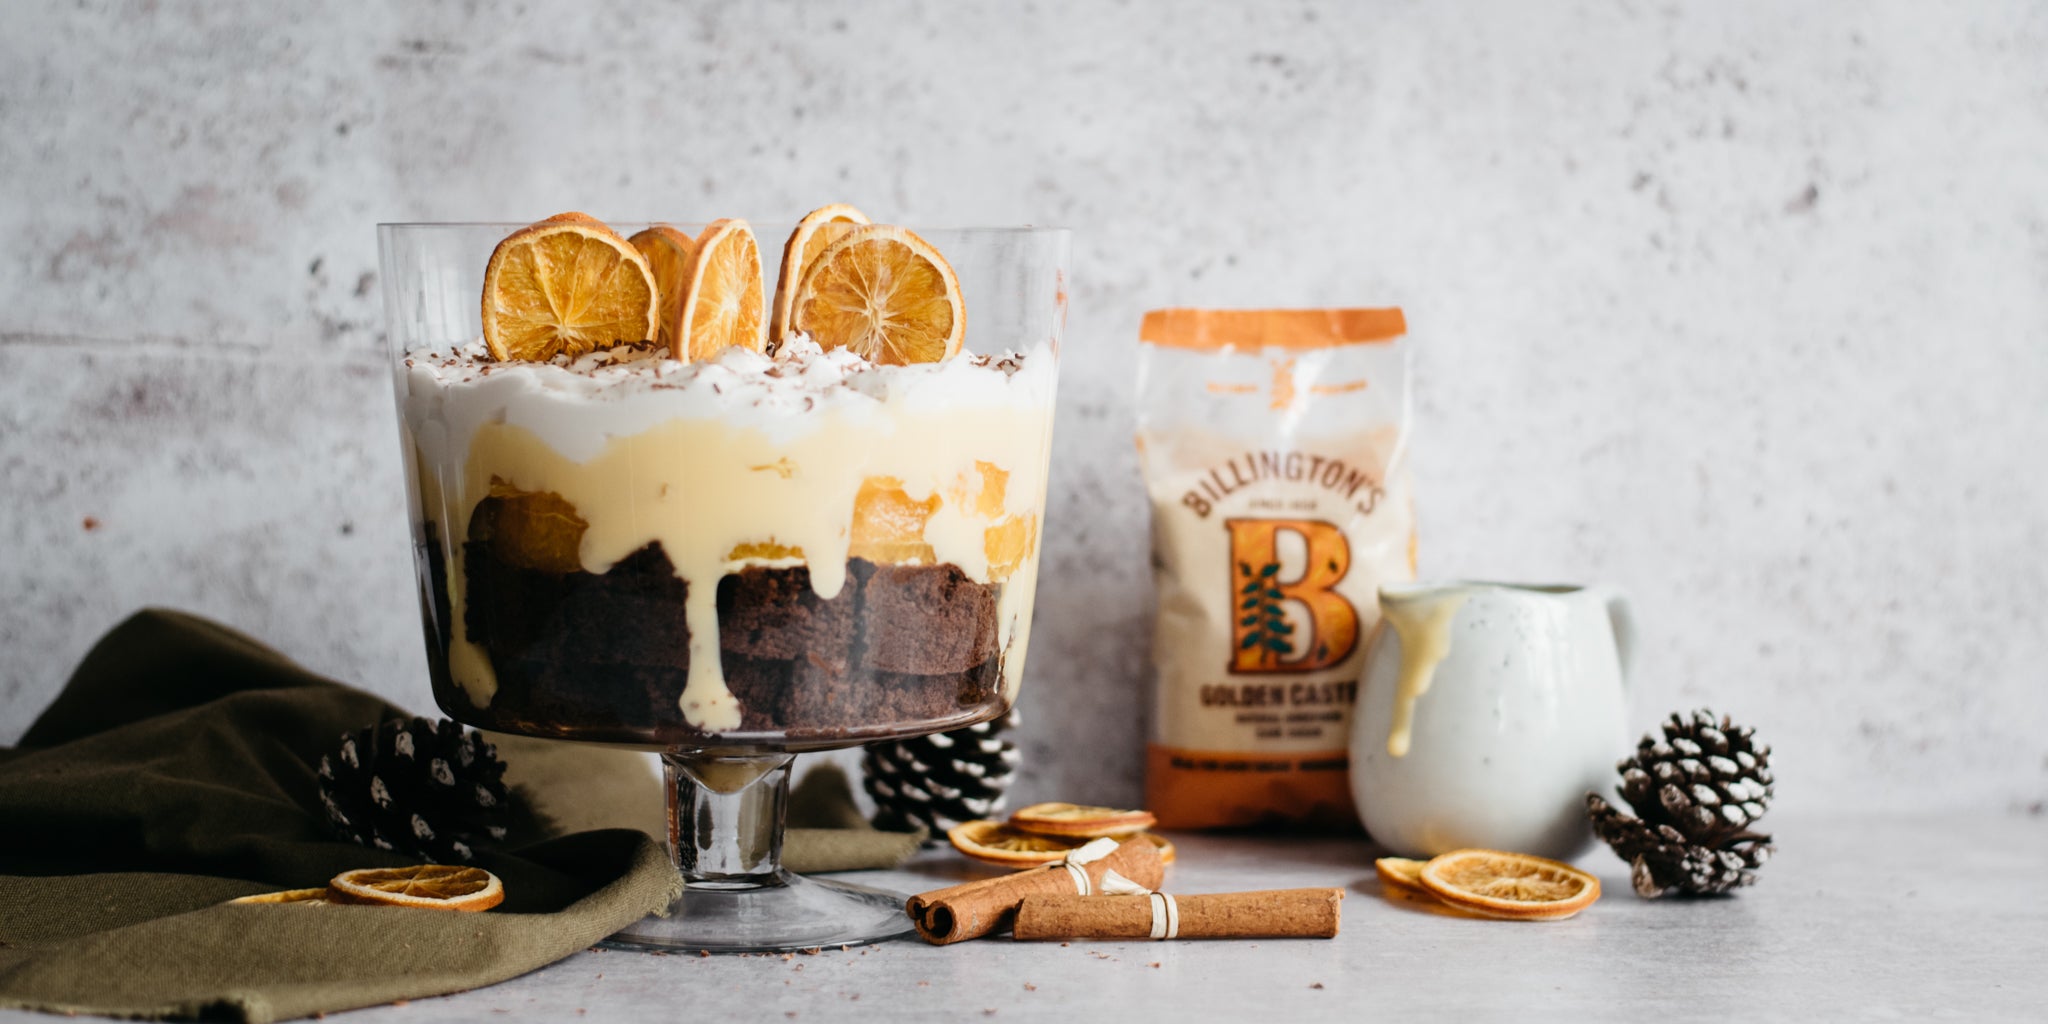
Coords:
pixel 765 550
pixel 432 886
pixel 888 527
pixel 819 228
pixel 1007 544
pixel 566 285
pixel 1515 886
pixel 884 293
pixel 995 485
pixel 722 294
pixel 308 896
pixel 529 530
pixel 1400 874
pixel 993 842
pixel 1080 820
pixel 668 253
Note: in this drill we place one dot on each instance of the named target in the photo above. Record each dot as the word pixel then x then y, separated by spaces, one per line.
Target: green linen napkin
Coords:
pixel 827 832
pixel 176 770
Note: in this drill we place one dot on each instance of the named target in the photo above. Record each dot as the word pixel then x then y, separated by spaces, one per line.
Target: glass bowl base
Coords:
pixel 791 913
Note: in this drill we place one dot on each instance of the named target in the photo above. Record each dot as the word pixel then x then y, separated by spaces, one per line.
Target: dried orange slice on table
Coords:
pixel 1515 886
pixel 1063 819
pixel 306 896
pixel 433 886
pixel 818 229
pixel 884 293
pixel 668 253
pixel 569 285
pixel 1166 850
pixel 722 294
pixel 993 842
pixel 1400 874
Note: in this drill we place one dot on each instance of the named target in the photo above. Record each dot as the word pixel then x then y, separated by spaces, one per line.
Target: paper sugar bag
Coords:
pixel 1273 444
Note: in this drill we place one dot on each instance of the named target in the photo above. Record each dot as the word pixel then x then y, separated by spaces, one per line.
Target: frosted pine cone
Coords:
pixel 1696 793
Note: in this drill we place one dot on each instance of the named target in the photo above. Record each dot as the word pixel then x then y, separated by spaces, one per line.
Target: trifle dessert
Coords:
pixel 659 505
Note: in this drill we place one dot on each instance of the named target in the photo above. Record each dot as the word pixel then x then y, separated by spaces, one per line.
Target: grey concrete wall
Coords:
pixel 1743 306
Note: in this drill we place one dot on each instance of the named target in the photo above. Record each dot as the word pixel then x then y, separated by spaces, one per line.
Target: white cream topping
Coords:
pixel 744 449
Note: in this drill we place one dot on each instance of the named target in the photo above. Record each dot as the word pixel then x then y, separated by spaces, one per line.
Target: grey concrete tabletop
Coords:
pixel 1856 919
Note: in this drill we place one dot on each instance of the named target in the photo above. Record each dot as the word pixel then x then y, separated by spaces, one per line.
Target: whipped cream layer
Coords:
pixel 742 460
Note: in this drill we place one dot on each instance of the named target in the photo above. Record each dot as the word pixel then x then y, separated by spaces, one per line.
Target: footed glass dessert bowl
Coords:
pixel 655 504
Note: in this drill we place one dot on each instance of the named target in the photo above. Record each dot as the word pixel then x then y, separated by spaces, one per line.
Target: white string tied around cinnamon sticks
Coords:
pixel 1165 912
pixel 1076 862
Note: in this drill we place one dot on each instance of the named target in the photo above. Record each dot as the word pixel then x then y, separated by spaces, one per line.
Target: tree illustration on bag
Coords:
pixel 1263 618
pixel 1289 625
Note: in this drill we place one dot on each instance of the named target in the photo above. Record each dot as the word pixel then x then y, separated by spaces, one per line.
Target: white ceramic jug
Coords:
pixel 1486 714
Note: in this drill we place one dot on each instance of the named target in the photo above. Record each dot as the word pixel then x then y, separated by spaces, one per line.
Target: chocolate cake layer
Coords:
pixel 606 656
pixel 924 619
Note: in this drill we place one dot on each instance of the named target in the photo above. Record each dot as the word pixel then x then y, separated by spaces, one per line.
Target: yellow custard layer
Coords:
pixel 728 466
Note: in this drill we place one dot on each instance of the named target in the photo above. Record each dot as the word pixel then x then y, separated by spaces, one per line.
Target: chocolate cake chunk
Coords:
pixel 925 620
pixel 820 694
pixel 631 615
pixel 578 648
pixel 774 613
pixel 761 685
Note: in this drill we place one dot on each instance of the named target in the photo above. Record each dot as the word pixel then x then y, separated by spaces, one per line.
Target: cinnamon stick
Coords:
pixel 974 909
pixel 1272 914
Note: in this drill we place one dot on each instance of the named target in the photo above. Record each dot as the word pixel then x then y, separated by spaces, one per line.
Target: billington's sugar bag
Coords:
pixel 1273 445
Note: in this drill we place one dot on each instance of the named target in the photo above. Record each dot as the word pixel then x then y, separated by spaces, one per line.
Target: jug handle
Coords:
pixel 1622 619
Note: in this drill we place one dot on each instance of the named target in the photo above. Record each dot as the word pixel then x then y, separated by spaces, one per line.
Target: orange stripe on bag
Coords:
pixel 1226 789
pixel 1250 330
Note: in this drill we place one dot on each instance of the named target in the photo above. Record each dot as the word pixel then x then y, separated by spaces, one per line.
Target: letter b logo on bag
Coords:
pixel 1263 640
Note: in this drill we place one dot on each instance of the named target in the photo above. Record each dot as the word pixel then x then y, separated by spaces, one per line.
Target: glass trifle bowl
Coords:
pixel 728 544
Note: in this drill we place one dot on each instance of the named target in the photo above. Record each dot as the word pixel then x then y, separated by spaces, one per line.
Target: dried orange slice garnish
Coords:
pixel 313 896
pixel 1400 874
pixel 884 293
pixel 1080 820
pixel 435 886
pixel 819 228
pixel 722 294
pixel 668 253
pixel 1515 886
pixel 993 842
pixel 566 285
